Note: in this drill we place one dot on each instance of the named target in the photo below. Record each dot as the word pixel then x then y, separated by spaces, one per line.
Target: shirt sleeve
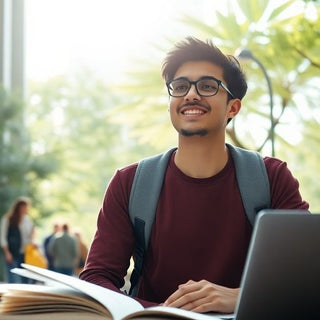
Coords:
pixel 113 243
pixel 284 187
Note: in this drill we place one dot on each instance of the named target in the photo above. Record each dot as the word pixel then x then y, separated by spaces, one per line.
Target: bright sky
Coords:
pixel 63 35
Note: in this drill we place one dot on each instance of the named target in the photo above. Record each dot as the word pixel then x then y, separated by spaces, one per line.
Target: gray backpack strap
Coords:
pixel 252 180
pixel 143 201
pixel 145 190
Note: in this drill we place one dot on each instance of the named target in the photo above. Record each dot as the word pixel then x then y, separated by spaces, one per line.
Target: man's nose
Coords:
pixel 192 94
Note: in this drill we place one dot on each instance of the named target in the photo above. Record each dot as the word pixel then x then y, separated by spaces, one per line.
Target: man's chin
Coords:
pixel 192 133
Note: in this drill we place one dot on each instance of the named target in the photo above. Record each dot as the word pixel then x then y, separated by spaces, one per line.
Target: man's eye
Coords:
pixel 207 86
pixel 181 87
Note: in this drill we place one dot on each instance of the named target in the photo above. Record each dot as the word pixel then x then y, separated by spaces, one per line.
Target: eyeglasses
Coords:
pixel 205 87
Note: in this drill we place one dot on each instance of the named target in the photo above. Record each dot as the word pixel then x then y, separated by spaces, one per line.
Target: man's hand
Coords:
pixel 203 296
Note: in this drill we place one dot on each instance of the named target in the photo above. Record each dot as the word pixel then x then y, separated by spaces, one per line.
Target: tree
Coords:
pixel 14 150
pixel 266 31
pixel 19 170
pixel 70 118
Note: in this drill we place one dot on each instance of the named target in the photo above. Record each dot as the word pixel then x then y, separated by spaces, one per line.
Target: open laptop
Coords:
pixel 281 278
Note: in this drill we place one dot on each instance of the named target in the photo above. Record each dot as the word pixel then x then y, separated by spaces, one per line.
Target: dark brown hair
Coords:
pixel 192 49
pixel 15 212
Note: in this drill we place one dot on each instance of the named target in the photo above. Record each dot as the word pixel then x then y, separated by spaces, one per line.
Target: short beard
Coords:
pixel 201 132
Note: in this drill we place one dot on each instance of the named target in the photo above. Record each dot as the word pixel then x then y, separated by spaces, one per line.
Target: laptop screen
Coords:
pixel 281 278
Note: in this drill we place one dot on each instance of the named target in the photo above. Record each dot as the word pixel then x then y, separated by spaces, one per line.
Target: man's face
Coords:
pixel 194 114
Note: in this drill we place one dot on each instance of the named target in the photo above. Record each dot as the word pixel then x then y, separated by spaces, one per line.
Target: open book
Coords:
pixel 63 297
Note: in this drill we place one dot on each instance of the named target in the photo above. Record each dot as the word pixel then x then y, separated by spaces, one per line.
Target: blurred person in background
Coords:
pixel 17 230
pixel 83 252
pixel 56 229
pixel 64 250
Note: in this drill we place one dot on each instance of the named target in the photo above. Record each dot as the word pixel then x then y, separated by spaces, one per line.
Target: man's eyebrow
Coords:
pixel 208 77
pixel 180 78
pixel 201 78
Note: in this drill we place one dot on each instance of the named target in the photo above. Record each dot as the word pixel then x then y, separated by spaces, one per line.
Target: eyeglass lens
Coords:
pixel 205 87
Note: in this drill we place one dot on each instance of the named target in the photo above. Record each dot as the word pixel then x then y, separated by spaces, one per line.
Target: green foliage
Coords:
pixel 71 118
pixel 19 170
pixel 253 9
pixel 273 33
pixel 304 162
pixel 276 12
pixel 144 110
pixel 308 164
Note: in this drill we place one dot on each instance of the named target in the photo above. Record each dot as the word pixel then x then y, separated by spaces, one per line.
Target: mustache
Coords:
pixel 194 103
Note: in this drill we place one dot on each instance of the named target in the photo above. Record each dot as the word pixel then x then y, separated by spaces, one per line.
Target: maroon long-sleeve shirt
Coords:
pixel 200 231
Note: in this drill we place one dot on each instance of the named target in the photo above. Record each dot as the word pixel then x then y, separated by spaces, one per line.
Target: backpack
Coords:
pixel 14 240
pixel 252 180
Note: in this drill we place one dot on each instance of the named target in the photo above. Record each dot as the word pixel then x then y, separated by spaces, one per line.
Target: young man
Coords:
pixel 200 235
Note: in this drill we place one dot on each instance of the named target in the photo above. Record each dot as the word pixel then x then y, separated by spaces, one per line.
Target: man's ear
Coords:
pixel 234 107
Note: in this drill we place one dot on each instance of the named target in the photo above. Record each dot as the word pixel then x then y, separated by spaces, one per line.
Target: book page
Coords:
pixel 27 302
pixel 37 277
pixel 119 305
pixel 31 302
pixel 55 316
pixel 35 298
pixel 163 313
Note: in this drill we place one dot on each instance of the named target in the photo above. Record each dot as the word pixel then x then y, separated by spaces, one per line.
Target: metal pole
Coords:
pixel 247 54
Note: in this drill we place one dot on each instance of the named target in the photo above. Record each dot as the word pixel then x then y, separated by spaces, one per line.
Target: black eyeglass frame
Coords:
pixel 219 82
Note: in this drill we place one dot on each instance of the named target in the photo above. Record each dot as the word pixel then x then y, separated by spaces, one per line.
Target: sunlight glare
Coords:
pixel 102 35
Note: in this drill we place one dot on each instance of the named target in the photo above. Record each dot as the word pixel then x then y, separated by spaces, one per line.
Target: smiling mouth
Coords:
pixel 192 112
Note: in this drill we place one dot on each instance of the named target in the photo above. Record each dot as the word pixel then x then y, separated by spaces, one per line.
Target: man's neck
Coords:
pixel 199 158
